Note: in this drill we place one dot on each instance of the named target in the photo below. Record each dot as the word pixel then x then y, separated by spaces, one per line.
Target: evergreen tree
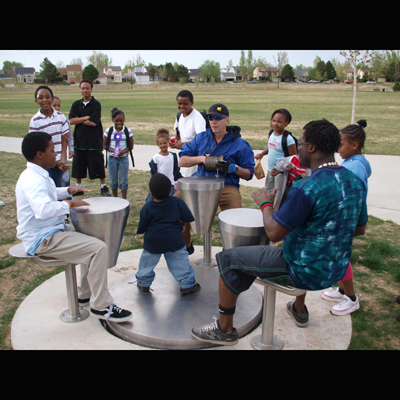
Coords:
pixel 287 73
pixel 330 71
pixel 90 72
pixel 49 72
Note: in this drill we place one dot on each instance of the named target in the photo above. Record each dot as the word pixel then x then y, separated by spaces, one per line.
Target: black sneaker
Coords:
pixel 105 192
pixel 192 289
pixel 112 313
pixel 83 302
pixel 299 319
pixel 212 333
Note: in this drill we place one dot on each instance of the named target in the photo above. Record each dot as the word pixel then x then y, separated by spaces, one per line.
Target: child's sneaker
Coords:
pixel 143 288
pixel 346 306
pixel 332 294
pixel 192 289
pixel 112 313
pixel 212 333
pixel 105 192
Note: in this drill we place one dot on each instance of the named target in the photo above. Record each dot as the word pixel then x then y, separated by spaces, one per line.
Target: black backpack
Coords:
pixel 204 115
pixel 128 143
pixel 284 141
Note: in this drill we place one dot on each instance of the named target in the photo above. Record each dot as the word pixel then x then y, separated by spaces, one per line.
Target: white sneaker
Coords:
pixel 332 294
pixel 346 306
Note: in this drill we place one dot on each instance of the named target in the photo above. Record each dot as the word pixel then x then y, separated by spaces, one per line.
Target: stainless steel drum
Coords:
pixel 202 195
pixel 242 227
pixel 105 218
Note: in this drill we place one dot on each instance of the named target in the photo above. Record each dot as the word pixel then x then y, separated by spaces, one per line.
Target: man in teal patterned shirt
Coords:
pixel 317 222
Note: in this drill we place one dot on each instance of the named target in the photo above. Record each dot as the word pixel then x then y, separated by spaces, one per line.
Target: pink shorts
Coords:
pixel 349 273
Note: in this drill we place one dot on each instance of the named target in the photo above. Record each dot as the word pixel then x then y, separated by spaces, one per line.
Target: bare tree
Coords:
pixel 357 57
pixel 99 59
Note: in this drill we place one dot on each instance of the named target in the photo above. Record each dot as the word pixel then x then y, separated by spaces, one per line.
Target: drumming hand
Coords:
pixel 75 189
pixel 262 195
pixel 78 203
pixel 226 167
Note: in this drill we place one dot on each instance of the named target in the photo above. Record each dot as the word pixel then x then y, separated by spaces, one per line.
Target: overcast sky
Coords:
pixel 189 58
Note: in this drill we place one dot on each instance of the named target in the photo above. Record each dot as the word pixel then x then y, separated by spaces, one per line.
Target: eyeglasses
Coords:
pixel 300 143
pixel 216 117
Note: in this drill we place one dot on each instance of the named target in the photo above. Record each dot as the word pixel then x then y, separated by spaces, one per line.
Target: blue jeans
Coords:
pixel 60 178
pixel 177 262
pixel 119 168
pixel 240 266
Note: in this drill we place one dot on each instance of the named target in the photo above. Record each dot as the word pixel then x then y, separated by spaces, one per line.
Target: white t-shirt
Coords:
pixel 190 126
pixel 165 165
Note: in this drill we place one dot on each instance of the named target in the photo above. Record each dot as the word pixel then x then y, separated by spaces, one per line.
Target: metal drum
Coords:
pixel 242 227
pixel 202 195
pixel 105 218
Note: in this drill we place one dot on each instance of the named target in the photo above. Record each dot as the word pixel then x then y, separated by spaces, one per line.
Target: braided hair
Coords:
pixel 323 135
pixel 355 132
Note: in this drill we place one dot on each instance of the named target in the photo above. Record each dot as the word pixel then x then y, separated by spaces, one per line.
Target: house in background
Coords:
pixel 25 75
pixel 194 74
pixel 7 79
pixel 265 73
pixel 361 73
pixel 231 74
pixel 74 73
pixel 109 74
pixel 301 75
pixel 63 73
pixel 141 74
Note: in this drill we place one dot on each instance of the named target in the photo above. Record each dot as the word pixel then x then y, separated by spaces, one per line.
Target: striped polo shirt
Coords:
pixel 57 125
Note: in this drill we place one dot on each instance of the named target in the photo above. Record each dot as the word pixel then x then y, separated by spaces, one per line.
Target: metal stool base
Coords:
pixel 257 344
pixel 202 263
pixel 66 317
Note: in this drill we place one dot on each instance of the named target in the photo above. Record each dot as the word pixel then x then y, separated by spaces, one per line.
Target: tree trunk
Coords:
pixel 353 113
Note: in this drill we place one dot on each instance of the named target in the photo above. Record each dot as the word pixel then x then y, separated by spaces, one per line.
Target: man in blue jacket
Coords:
pixel 220 140
pixel 226 141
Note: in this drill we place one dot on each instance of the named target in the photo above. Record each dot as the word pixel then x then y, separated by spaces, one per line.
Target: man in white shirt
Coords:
pixel 43 232
pixel 188 125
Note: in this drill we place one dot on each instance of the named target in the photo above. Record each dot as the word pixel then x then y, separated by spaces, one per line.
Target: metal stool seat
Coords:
pixel 267 340
pixel 74 313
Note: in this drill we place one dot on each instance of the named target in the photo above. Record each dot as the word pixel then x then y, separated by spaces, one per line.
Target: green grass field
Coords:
pixel 148 109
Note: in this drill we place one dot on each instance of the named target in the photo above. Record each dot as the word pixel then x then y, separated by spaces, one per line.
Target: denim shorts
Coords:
pixel 240 266
pixel 118 172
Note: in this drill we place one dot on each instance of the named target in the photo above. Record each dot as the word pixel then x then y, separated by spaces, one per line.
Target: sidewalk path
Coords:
pixel 383 192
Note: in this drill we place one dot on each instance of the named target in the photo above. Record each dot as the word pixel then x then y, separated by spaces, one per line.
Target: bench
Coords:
pixel 74 313
pixel 267 340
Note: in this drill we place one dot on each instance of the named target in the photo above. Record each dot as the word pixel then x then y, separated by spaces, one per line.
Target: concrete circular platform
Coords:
pixel 37 326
